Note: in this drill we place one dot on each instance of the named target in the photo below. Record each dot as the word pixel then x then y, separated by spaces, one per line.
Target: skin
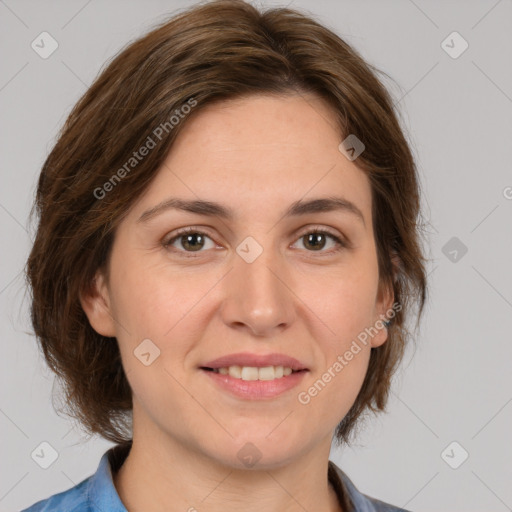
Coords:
pixel 295 299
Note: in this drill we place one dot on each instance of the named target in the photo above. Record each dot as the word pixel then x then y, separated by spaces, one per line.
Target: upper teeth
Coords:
pixel 254 373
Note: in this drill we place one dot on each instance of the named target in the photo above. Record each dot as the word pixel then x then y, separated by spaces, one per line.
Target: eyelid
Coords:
pixel 183 231
pixel 322 229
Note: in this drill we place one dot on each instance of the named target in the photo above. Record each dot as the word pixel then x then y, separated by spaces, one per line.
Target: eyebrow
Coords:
pixel 210 208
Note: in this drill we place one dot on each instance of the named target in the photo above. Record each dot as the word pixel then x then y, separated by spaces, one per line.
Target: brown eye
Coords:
pixel 317 240
pixel 193 242
pixel 188 240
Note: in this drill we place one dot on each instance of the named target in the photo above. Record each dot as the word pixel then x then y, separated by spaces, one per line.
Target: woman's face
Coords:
pixel 260 281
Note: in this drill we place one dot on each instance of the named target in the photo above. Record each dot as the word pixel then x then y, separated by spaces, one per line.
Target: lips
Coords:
pixel 254 360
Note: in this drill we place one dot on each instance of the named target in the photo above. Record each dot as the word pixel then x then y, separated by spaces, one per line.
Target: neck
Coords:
pixel 162 474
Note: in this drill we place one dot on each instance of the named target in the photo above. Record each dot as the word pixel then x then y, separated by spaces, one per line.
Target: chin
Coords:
pixel 256 450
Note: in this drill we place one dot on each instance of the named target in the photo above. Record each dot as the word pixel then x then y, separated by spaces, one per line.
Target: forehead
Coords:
pixel 256 151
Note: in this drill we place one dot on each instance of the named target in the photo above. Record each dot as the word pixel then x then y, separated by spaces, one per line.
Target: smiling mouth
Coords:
pixel 252 373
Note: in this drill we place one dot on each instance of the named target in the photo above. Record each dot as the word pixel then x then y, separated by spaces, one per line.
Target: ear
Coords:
pixel 96 304
pixel 385 301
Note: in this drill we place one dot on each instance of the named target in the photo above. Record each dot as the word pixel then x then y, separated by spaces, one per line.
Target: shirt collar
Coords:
pixel 102 493
pixel 103 496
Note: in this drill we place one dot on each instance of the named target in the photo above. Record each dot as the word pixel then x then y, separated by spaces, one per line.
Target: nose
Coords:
pixel 258 297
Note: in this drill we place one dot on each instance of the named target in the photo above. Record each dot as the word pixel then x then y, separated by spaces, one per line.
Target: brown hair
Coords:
pixel 219 50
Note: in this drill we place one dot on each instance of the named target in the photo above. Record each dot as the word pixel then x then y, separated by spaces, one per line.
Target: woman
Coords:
pixel 226 254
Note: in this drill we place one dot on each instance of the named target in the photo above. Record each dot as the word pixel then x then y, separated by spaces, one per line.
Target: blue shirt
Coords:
pixel 97 493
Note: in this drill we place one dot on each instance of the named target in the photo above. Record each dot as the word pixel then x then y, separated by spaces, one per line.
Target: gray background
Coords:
pixel 457 384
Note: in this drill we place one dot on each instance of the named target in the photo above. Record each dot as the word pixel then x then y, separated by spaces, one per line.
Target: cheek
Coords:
pixel 168 309
pixel 343 302
pixel 151 300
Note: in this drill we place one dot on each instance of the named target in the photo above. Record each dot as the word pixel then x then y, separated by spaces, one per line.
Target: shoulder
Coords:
pixel 361 502
pixel 93 494
pixel 381 506
pixel 72 500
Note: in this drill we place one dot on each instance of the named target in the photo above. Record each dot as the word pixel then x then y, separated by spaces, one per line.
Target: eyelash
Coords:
pixel 190 254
